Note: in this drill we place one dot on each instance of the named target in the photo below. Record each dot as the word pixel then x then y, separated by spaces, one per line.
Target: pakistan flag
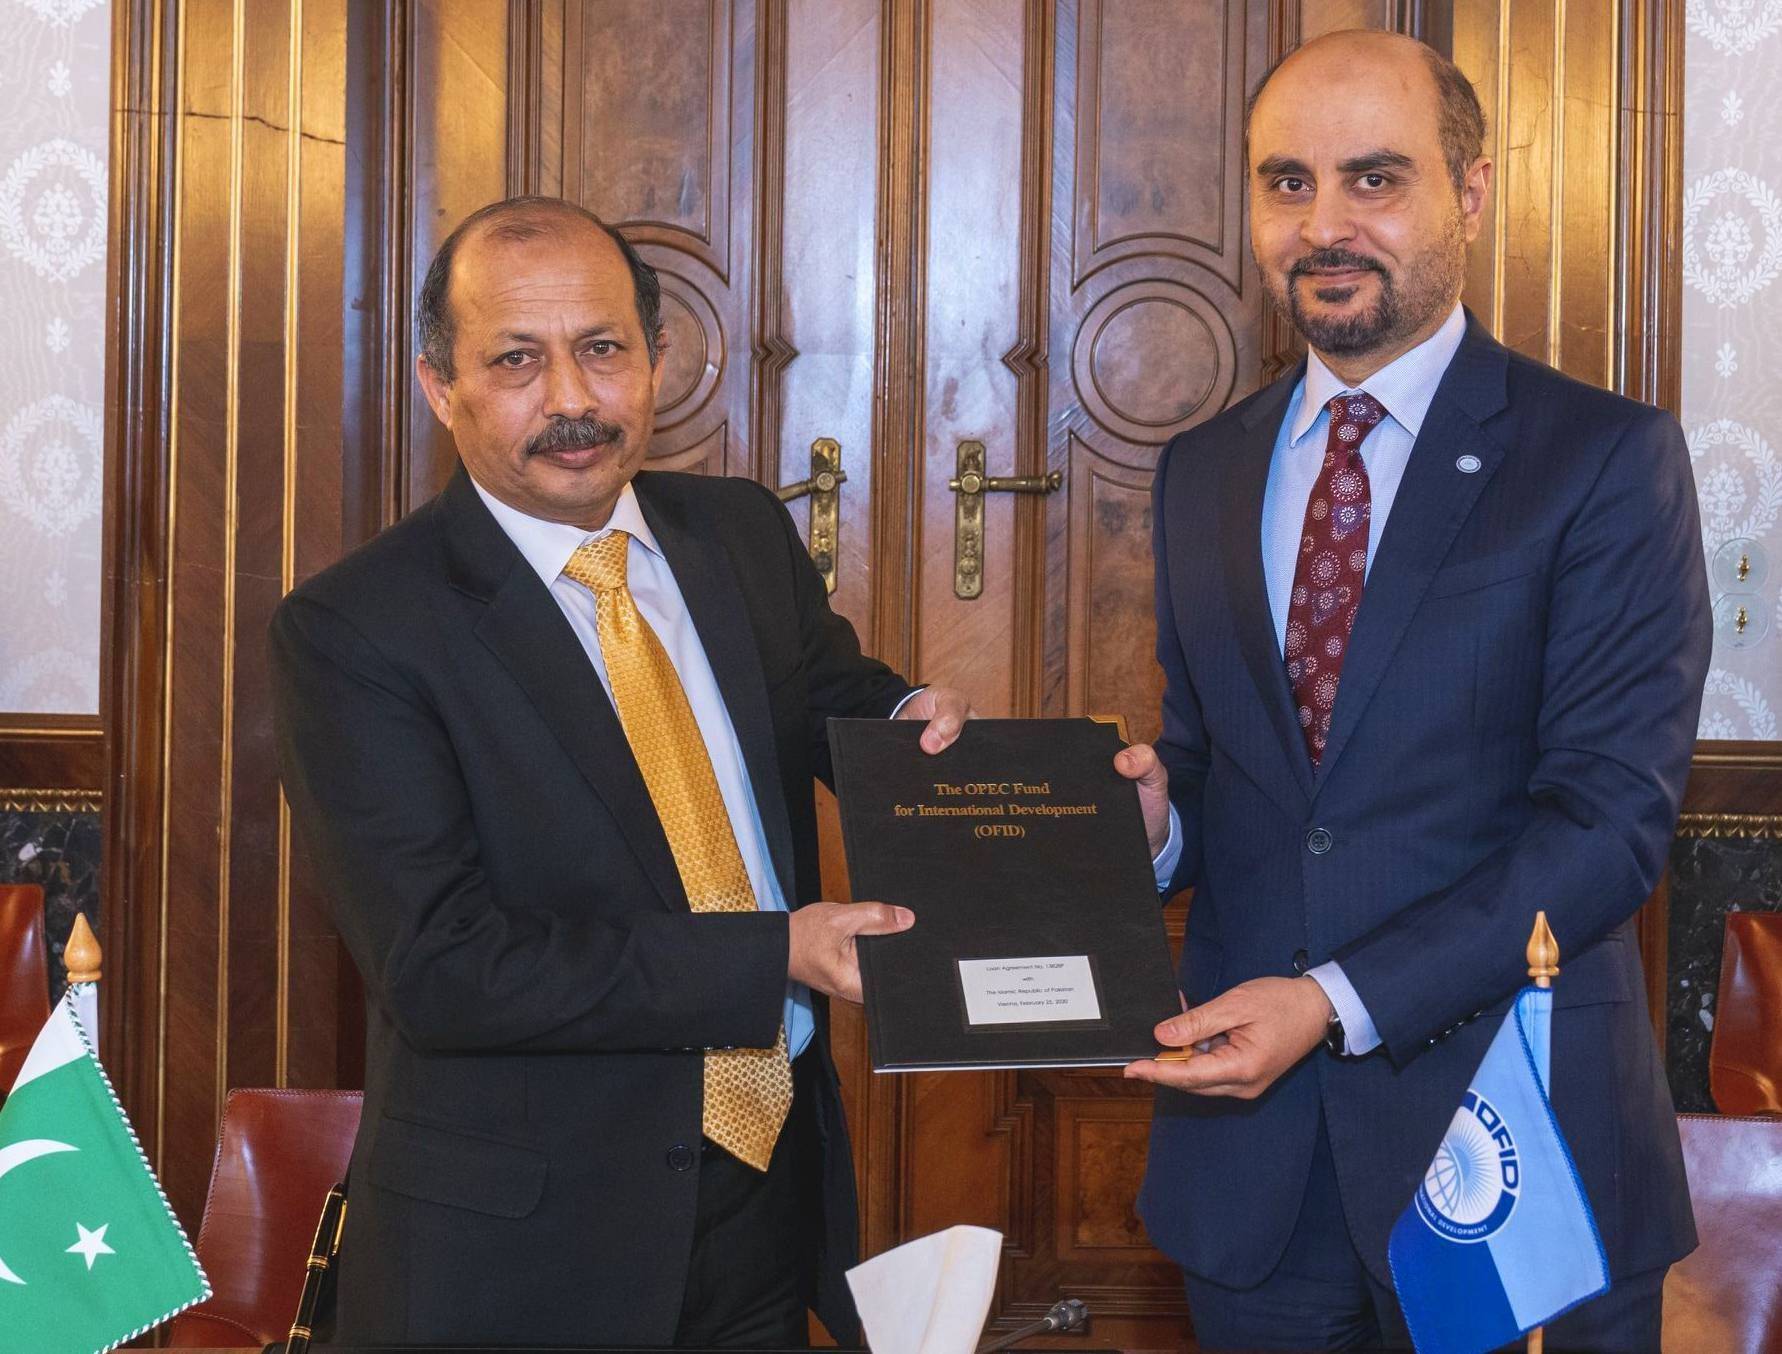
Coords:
pixel 90 1253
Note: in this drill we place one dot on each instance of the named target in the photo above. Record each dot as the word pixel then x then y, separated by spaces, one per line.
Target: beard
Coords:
pixel 1422 291
pixel 575 434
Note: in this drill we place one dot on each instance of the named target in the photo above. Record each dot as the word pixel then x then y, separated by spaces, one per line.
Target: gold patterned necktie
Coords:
pixel 747 1090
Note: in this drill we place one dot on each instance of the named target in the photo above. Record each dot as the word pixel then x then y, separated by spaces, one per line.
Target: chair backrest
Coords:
pixel 278 1154
pixel 24 977
pixel 1745 1062
pixel 1728 1294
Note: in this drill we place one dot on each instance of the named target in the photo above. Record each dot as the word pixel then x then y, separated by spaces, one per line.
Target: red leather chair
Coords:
pixel 277 1156
pixel 24 977
pixel 1745 1061
pixel 1726 1298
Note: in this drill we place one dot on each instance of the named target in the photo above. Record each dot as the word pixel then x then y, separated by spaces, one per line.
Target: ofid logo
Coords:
pixel 1471 1187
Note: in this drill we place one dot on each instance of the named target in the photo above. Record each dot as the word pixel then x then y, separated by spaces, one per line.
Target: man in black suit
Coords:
pixel 1434 624
pixel 550 742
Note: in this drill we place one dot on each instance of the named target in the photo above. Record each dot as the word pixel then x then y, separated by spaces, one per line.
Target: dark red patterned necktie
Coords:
pixel 1332 567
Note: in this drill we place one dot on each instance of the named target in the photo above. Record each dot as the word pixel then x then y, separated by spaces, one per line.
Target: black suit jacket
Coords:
pixel 1512 732
pixel 537 990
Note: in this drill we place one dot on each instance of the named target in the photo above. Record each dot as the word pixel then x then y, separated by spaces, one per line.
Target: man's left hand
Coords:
pixel 1251 1034
pixel 946 711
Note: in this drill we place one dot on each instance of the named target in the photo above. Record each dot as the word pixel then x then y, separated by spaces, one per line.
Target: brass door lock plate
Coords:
pixel 970 484
pixel 824 489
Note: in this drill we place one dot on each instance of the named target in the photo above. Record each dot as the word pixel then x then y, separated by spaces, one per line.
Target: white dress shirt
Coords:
pixel 1405 386
pixel 547 546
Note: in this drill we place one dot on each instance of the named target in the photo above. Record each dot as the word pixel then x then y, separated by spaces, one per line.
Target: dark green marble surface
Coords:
pixel 61 852
pixel 1709 878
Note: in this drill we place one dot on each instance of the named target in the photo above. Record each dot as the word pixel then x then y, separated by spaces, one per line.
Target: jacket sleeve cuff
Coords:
pixel 908 697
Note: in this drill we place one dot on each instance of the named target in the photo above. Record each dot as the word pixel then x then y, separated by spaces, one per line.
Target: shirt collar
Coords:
pixel 547 546
pixel 1405 386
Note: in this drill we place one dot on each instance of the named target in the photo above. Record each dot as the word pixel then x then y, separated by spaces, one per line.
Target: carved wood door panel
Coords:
pixel 907 225
pixel 1087 294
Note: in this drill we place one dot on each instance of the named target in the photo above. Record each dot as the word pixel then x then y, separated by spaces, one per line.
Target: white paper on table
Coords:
pixel 931 1295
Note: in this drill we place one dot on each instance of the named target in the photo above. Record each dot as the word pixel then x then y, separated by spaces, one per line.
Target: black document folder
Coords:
pixel 1039 939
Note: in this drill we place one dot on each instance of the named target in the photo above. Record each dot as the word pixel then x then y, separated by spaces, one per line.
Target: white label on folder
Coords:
pixel 1020 991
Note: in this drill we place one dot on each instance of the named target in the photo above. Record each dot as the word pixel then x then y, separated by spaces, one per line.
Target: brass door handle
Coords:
pixel 970 484
pixel 824 488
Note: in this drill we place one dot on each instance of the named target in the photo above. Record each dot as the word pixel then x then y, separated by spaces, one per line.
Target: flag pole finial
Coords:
pixel 81 955
pixel 1543 953
pixel 1543 967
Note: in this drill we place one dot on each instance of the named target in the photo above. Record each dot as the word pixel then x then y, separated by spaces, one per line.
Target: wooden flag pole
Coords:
pixel 1543 953
pixel 81 955
pixel 81 958
pixel 1543 967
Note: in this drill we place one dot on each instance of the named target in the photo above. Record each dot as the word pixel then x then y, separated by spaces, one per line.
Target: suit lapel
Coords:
pixel 715 601
pixel 524 628
pixel 1433 502
pixel 1240 529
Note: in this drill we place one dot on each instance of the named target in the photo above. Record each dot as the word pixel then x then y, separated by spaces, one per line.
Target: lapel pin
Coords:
pixel 1468 465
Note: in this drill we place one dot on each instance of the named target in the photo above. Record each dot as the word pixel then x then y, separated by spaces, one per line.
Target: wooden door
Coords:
pixel 904 225
pixel 1086 293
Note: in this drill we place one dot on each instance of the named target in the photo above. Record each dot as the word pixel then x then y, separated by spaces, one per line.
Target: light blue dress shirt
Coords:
pixel 1405 386
pixel 547 546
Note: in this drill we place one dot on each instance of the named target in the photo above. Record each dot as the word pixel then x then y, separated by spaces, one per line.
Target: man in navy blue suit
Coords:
pixel 1434 623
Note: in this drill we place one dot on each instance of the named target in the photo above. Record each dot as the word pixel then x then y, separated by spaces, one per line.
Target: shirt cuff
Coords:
pixel 898 708
pixel 1164 863
pixel 1359 1034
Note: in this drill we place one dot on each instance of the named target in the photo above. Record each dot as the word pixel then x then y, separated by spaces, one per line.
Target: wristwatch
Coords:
pixel 1334 1038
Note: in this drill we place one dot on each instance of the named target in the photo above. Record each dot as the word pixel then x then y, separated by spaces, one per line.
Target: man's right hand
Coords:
pixel 823 955
pixel 1140 764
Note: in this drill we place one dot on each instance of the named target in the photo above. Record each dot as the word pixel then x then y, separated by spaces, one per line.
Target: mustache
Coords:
pixel 575 434
pixel 1330 260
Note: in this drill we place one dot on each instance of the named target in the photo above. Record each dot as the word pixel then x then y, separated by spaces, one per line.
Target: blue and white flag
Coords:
pixel 1499 1238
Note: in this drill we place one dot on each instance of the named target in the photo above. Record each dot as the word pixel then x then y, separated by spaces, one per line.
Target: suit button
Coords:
pixel 681 1157
pixel 1318 841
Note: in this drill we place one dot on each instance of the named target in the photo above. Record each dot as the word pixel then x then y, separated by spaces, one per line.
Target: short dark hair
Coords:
pixel 516 218
pixel 1460 121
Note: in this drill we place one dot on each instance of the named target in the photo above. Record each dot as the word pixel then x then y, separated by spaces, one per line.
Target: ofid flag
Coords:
pixel 90 1253
pixel 1499 1238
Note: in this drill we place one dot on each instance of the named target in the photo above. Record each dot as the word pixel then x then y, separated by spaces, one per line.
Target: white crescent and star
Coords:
pixel 16 1154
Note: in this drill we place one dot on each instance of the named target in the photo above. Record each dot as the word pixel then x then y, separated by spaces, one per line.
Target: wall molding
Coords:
pixel 53 750
pixel 34 799
pixel 1734 826
pixel 1647 354
pixel 1729 778
pixel 139 403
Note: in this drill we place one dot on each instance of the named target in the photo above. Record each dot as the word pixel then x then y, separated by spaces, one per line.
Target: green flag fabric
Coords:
pixel 90 1252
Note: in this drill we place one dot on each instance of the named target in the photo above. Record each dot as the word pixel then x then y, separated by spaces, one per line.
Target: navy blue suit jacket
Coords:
pixel 1512 732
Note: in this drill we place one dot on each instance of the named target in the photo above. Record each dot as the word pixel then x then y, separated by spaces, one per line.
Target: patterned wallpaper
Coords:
pixel 1732 345
pixel 54 121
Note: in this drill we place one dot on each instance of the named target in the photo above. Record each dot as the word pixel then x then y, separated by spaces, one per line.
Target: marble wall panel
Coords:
pixel 1709 878
pixel 61 852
